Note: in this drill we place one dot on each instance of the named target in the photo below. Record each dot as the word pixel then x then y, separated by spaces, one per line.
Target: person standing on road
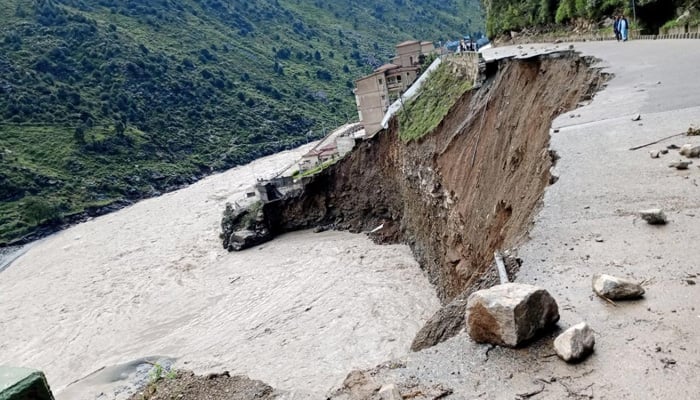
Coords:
pixel 616 27
pixel 624 28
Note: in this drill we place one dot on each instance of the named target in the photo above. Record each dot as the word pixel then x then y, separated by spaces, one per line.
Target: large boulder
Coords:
pixel 449 320
pixel 575 343
pixel 244 227
pixel 614 288
pixel 510 314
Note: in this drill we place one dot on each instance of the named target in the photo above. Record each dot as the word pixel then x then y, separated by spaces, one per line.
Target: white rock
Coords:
pixel 694 152
pixel 390 392
pixel 654 153
pixel 510 314
pixel 685 149
pixel 575 343
pixel 654 216
pixel 614 288
pixel 637 117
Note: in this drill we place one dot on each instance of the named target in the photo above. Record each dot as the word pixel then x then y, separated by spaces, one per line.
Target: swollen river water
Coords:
pixel 299 312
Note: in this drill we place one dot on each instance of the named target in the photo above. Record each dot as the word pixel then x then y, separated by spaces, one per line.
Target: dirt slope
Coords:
pixel 465 190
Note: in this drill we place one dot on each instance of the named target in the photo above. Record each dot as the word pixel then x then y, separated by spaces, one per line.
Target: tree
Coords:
pixel 79 135
pixel 119 128
pixel 37 211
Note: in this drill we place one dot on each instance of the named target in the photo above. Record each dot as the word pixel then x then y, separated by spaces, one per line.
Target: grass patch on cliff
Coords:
pixel 438 94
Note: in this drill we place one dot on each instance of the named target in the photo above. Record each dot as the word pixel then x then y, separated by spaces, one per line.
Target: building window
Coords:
pixel 380 81
pixel 398 78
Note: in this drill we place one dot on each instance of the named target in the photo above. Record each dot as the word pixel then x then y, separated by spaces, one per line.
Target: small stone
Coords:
pixel 663 151
pixel 690 151
pixel 599 240
pixel 575 343
pixel 654 216
pixel 672 147
pixel 690 282
pixel 685 149
pixel 390 392
pixel 681 164
pixel 614 288
pixel 654 153
pixel 637 117
pixel 510 314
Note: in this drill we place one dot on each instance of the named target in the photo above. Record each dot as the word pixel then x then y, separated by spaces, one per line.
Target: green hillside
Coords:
pixel 108 101
pixel 507 15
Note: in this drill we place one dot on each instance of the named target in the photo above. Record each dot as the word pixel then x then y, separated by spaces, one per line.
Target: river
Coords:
pixel 152 279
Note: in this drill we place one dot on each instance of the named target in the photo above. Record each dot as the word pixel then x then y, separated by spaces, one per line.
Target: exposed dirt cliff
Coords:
pixel 459 193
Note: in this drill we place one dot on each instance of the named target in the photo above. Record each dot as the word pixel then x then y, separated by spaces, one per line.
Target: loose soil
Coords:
pixel 467 189
pixel 187 385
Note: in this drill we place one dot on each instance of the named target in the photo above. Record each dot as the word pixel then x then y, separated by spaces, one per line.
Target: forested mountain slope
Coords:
pixel 103 101
pixel 506 15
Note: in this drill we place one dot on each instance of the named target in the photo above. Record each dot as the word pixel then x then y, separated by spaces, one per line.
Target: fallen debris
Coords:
pixel 187 385
pixel 576 343
pixel 690 151
pixel 510 314
pixel 637 117
pixel 654 216
pixel 658 141
pixel 654 153
pixel 614 288
pixel 680 165
pixel 663 151
pixel 527 395
pixel 390 392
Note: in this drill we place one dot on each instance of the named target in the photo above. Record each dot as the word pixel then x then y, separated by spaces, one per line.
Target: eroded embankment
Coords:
pixel 455 196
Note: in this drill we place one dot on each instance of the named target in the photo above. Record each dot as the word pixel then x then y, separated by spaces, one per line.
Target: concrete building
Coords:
pixel 375 92
pixel 411 52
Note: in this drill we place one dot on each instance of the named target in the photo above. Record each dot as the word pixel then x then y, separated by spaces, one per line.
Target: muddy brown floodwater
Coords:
pixel 152 279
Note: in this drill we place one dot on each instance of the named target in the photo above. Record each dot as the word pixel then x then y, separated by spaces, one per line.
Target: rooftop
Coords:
pixel 386 67
pixel 406 43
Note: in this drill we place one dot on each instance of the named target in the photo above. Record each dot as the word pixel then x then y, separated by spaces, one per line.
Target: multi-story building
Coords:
pixel 374 93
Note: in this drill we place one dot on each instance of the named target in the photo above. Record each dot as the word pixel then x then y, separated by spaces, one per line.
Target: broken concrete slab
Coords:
pixel 654 216
pixel 575 343
pixel 615 288
pixel 510 314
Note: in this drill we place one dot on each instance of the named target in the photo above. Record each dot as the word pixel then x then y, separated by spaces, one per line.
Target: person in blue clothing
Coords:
pixel 624 28
pixel 616 28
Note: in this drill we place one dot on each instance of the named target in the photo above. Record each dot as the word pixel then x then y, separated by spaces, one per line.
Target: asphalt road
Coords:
pixel 647 349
